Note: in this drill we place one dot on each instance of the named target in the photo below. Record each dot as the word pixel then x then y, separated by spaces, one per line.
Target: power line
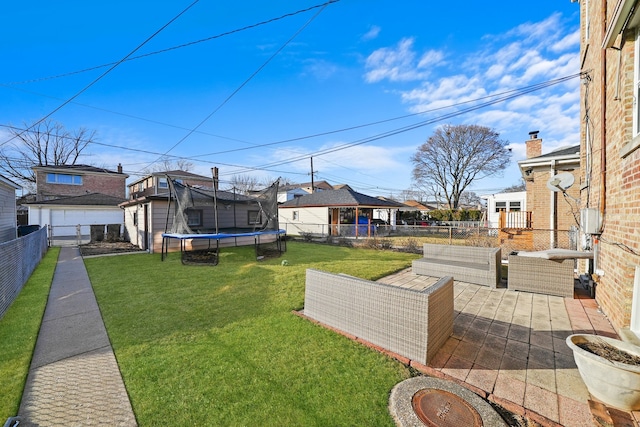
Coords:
pixel 268 167
pixel 227 33
pixel 255 73
pixel 106 72
pixel 393 132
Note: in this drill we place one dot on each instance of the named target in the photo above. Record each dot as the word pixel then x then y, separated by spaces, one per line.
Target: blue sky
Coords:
pixel 262 100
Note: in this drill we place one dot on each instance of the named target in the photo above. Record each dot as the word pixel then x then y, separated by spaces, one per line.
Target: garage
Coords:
pixel 70 219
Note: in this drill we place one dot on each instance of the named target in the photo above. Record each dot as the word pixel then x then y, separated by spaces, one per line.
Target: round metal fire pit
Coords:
pixel 425 401
pixel 439 408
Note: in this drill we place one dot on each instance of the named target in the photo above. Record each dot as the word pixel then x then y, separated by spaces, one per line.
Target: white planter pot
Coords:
pixel 615 384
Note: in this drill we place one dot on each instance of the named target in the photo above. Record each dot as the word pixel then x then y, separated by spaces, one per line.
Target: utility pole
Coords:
pixel 313 189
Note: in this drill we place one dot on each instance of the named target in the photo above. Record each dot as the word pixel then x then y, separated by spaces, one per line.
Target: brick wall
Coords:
pixel 619 199
pixel 112 184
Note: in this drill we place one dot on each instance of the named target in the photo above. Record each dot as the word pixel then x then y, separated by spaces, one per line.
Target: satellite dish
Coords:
pixel 560 182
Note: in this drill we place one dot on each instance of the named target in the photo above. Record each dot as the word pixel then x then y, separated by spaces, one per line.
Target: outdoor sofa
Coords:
pixel 549 272
pixel 413 324
pixel 465 263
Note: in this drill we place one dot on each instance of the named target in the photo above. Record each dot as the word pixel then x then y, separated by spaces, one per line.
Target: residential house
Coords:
pixel 8 222
pixel 53 182
pixel 149 212
pixel 71 198
pixel 332 212
pixel 291 191
pixel 422 209
pixel 71 218
pixel 610 155
pixel 552 209
pixel 512 202
pixel 547 216
pixel 146 210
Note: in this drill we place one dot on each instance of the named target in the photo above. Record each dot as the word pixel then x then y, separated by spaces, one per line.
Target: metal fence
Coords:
pixel 411 238
pixel 18 259
pixel 80 234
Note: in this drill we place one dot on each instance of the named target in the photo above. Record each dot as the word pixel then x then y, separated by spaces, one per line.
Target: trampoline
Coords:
pixel 210 254
pixel 199 225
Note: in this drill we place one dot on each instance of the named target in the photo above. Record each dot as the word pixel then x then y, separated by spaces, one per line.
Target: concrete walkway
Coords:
pixel 74 379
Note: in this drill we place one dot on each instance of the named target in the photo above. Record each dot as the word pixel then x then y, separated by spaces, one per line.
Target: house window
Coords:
pixel 514 206
pixel 64 178
pixel 254 217
pixel 295 215
pixel 162 183
pixel 135 218
pixel 501 206
pixel 194 217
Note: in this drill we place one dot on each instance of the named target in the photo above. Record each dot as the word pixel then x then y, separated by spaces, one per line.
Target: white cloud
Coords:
pixel 320 69
pixel 399 63
pixel 373 33
pixel 531 53
pixel 570 41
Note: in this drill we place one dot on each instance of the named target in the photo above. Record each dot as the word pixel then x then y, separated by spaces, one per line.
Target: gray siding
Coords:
pixel 8 216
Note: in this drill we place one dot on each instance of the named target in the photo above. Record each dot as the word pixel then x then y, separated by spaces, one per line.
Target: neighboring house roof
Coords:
pixel 199 193
pixel 567 156
pixel 417 205
pixel 345 197
pixel 8 182
pixel 175 174
pixel 570 154
pixel 77 168
pixel 561 152
pixel 318 185
pixel 90 199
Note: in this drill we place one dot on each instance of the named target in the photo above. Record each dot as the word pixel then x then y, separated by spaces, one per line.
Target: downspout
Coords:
pixel 603 118
pixel 603 139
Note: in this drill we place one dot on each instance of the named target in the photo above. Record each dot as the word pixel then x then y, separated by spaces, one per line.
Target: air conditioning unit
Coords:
pixel 590 221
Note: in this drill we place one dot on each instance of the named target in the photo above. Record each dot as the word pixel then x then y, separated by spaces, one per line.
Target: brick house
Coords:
pixel 71 198
pixel 53 182
pixel 610 138
pixel 551 209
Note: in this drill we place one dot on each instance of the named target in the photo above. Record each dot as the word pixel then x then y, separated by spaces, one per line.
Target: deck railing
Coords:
pixel 515 219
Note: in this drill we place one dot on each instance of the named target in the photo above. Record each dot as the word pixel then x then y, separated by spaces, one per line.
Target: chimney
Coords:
pixel 534 145
pixel 119 167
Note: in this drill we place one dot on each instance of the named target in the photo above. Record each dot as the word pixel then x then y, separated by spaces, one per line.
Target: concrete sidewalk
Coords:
pixel 74 379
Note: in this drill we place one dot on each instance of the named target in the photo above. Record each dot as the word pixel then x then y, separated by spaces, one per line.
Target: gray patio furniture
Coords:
pixel 413 324
pixel 541 276
pixel 549 272
pixel 465 263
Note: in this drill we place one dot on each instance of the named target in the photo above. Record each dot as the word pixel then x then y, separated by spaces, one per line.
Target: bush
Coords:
pixel 411 245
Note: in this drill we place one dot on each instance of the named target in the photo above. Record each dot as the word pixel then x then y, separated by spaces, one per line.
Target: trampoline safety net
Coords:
pixel 215 215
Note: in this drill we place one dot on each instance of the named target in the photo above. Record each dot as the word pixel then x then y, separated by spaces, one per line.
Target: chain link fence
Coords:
pixel 410 238
pixel 81 234
pixel 18 259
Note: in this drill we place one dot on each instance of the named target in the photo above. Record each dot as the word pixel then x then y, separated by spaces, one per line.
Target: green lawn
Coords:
pixel 200 345
pixel 18 333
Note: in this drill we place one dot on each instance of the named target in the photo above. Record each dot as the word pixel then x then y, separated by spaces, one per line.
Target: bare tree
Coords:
pixel 244 183
pixel 516 187
pixel 165 164
pixel 470 199
pixel 45 144
pixel 454 156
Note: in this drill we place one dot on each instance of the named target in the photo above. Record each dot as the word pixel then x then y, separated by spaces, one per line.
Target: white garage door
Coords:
pixel 64 222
